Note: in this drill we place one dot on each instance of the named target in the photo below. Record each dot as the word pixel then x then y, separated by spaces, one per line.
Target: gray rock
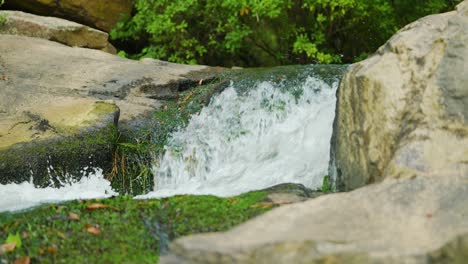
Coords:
pixel 403 112
pixel 397 221
pixel 55 29
pixel 101 14
pixel 51 94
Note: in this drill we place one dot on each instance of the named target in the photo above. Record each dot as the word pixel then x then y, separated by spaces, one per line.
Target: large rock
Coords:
pixel 101 14
pixel 404 111
pixel 59 105
pixel 55 29
pixel 401 123
pixel 424 220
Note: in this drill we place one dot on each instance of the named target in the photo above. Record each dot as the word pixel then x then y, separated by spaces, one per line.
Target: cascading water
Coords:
pixel 258 132
pixel 251 138
pixel 20 196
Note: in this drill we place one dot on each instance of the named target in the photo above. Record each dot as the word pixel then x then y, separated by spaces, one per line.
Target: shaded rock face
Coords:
pixel 59 106
pixel 55 29
pixel 404 111
pixel 101 14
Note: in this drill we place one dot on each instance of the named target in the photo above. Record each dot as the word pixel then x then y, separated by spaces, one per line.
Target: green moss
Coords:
pixel 135 232
pixel 101 108
pixel 175 115
pixel 68 156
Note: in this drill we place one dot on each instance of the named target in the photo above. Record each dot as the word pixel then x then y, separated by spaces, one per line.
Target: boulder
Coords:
pixel 100 14
pixel 424 220
pixel 400 124
pixel 403 112
pixel 55 29
pixel 59 106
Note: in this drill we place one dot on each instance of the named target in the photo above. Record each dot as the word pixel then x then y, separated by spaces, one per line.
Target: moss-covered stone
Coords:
pixel 58 142
pixel 58 160
pixel 130 231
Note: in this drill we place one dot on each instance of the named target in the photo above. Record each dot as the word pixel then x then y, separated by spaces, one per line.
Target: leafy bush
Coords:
pixel 3 18
pixel 266 32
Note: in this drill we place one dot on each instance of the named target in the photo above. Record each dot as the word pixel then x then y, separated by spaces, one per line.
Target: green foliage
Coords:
pixel 130 231
pixel 16 238
pixel 122 54
pixel 131 170
pixel 3 18
pixel 266 32
pixel 326 185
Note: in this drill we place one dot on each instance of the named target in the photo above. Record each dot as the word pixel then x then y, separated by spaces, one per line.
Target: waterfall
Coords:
pixel 252 136
pixel 270 126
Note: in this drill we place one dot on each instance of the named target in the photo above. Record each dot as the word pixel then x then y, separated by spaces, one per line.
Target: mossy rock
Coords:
pixel 58 145
pixel 123 230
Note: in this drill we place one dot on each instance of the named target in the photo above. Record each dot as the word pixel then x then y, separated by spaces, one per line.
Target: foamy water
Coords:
pixel 24 195
pixel 247 141
pixel 250 137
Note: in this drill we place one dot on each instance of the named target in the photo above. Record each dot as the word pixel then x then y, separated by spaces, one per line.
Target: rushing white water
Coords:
pixel 24 195
pixel 251 136
pixel 251 140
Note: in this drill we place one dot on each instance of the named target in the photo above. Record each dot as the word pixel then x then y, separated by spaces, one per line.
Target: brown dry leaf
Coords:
pixel 52 250
pixel 7 247
pixel 22 260
pixel 24 235
pixel 262 205
pixel 93 230
pixel 95 206
pixel 73 216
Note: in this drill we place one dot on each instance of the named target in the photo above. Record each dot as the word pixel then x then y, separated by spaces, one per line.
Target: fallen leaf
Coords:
pixel 93 230
pixel 7 247
pixel 61 235
pixel 22 260
pixel 52 250
pixel 262 205
pixel 73 216
pixel 95 206
pixel 60 208
pixel 16 238
pixel 24 235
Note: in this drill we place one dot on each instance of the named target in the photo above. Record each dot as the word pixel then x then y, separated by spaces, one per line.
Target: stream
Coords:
pixel 269 126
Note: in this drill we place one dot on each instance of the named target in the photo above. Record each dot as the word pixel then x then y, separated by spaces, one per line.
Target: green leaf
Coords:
pixel 326 187
pixel 16 238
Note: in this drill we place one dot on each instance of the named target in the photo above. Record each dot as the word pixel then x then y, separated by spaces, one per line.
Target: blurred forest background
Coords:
pixel 265 32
